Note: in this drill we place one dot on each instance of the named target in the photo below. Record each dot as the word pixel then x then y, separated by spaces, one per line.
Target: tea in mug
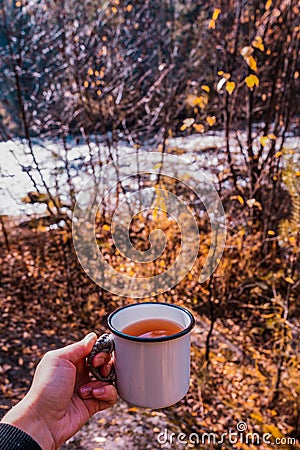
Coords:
pixel 152 328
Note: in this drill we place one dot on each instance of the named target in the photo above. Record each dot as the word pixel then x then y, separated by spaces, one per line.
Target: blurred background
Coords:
pixel 217 83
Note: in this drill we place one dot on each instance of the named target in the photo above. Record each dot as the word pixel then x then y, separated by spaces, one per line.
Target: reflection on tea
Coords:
pixel 152 328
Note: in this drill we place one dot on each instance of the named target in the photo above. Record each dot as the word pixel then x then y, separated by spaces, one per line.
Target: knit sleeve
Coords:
pixel 12 438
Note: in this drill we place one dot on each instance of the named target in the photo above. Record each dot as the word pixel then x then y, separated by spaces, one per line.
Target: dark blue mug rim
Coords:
pixel 119 333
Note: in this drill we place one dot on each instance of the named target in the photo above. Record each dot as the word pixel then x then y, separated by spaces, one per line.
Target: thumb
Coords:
pixel 79 350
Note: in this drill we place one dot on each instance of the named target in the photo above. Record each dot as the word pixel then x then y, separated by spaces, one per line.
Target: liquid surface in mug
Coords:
pixel 152 328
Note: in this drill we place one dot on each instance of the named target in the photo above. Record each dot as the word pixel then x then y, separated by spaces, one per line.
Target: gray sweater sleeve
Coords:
pixel 12 438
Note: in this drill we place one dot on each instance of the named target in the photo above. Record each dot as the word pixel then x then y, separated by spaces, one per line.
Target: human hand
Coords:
pixel 62 397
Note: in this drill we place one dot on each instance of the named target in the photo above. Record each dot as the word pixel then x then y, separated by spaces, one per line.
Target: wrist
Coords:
pixel 25 417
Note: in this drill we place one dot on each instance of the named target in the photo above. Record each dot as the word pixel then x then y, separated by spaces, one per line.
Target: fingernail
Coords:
pixel 89 337
pixel 98 391
pixel 85 390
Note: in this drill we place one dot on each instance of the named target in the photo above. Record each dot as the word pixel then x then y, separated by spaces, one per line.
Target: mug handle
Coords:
pixel 104 343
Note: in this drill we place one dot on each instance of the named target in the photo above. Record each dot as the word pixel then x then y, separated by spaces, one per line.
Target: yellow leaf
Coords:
pixel 212 25
pixel 272 136
pixel 114 9
pixel 205 88
pixel 263 140
pixel 276 433
pixel 99 92
pixel 216 13
pixel 157 166
pixel 230 85
pixel 257 416
pixel 199 127
pixel 220 72
pixel 200 101
pixel 258 205
pixel 297 173
pixel 268 5
pixel 86 84
pixel 258 43
pixel 240 199
pixel 289 280
pixel 90 71
pixel 251 63
pixel 106 227
pixel 271 232
pixel 41 228
pixel 251 81
pixel 278 154
pixel 25 199
pixel 129 7
pixel 211 120
pixel 133 409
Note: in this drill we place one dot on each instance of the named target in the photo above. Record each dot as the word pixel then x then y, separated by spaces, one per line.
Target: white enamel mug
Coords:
pixel 149 372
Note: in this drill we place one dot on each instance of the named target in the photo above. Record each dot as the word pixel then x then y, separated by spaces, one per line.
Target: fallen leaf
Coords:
pixel 272 136
pixel 230 86
pixel 258 43
pixel 212 25
pixel 205 88
pixel 289 280
pixel 251 81
pixel 216 13
pixel 199 127
pixel 240 199
pixel 211 120
pixel 268 4
pixel 263 140
pixel 251 63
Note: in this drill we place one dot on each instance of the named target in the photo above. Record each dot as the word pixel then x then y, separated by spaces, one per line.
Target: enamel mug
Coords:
pixel 148 372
